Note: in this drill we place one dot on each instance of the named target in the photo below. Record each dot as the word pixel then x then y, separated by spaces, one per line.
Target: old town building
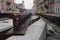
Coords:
pixel 38 6
pixel 7 6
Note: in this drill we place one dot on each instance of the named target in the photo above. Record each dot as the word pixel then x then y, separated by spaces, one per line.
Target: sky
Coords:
pixel 28 3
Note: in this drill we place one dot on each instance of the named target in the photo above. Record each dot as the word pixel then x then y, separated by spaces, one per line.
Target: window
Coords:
pixel 1 0
pixel 8 3
pixel 8 9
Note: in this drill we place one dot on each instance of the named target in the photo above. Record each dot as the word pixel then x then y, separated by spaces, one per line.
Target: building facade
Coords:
pixel 39 6
pixel 7 6
pixel 0 5
pixel 53 6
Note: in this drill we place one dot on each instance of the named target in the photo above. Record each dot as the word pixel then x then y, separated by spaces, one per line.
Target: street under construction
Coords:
pixel 22 22
pixel 19 21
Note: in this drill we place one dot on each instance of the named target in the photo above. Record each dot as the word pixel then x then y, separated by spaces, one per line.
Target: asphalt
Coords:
pixel 53 30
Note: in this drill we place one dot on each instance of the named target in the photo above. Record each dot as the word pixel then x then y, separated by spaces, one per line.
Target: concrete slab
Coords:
pixel 34 17
pixel 6 24
pixel 36 31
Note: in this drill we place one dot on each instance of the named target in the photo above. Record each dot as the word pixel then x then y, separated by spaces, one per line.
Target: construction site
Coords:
pixel 42 22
